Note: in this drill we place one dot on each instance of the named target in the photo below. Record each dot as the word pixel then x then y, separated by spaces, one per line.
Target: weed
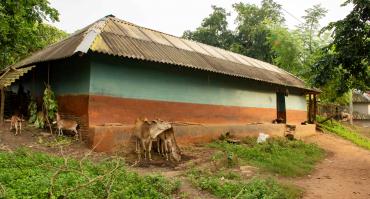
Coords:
pixel 278 155
pixel 231 186
pixel 26 174
pixel 346 133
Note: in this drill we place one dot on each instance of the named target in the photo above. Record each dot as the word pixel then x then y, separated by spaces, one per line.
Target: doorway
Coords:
pixel 280 107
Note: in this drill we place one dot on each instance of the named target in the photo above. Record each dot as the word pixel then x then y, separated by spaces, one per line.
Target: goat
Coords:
pixel 65 124
pixel 167 145
pixel 16 122
pixel 143 138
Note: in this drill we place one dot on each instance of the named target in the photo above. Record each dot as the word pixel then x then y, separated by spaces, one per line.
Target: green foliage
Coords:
pixel 278 155
pixel 40 121
pixel 22 30
pixel 347 57
pixel 287 47
pixel 26 174
pixel 56 142
pixel 230 185
pixel 32 111
pixel 213 30
pixel 50 103
pixel 346 133
pixel 253 28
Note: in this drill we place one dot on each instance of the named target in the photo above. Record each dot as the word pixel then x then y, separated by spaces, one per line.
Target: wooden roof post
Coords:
pixel 310 119
pixel 2 106
pixel 314 107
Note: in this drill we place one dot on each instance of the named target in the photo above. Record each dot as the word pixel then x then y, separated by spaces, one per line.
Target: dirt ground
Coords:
pixel 345 173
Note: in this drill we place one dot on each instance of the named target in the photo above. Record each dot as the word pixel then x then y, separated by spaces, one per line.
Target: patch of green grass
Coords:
pixel 55 142
pixel 229 185
pixel 278 155
pixel 26 174
pixel 346 133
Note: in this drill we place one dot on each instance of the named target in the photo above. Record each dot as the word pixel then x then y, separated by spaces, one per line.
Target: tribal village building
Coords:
pixel 112 72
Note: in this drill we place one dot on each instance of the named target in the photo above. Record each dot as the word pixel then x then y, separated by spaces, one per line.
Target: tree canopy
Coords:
pixel 22 28
pixel 347 58
pixel 334 59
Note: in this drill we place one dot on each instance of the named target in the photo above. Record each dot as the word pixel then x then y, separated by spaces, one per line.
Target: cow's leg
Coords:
pixel 20 127
pixel 166 149
pixel 150 150
pixel 138 151
pixel 16 128
pixel 144 148
pixel 158 145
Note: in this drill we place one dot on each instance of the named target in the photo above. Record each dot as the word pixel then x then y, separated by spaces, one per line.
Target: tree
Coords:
pixel 347 57
pixel 287 48
pixel 22 29
pixel 213 30
pixel 253 28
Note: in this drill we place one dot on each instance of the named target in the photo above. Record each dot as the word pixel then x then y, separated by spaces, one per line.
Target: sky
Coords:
pixel 176 16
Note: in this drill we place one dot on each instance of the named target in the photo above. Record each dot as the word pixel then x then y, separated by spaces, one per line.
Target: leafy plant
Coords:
pixel 50 103
pixel 32 111
pixel 278 155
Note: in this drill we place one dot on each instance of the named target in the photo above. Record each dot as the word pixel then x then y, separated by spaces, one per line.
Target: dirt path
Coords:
pixel 345 173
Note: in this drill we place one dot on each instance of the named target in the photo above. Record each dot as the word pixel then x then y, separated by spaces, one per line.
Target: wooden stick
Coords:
pixel 186 123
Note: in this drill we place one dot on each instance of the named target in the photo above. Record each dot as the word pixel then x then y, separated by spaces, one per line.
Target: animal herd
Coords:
pixel 145 133
pixel 61 124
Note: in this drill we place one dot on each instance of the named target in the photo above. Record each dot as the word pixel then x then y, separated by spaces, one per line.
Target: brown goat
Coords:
pixel 16 122
pixel 65 124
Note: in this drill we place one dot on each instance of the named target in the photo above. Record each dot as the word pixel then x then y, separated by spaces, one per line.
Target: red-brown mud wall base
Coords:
pixel 76 105
pixel 104 109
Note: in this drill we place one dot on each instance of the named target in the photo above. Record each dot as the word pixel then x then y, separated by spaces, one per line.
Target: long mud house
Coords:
pixel 113 71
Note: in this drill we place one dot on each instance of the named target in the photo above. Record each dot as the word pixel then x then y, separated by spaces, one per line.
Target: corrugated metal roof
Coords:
pixel 12 74
pixel 359 97
pixel 113 36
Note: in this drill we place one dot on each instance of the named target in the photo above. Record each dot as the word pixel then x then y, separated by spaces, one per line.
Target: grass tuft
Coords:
pixel 230 185
pixel 26 174
pixel 346 133
pixel 277 155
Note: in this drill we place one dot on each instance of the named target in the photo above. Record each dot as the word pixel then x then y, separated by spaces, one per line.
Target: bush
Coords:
pixel 25 174
pixel 278 155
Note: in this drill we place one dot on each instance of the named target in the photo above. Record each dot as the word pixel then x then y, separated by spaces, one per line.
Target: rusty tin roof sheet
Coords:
pixel 113 36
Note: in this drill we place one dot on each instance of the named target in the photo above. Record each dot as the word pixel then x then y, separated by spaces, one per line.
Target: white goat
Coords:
pixel 16 122
pixel 65 124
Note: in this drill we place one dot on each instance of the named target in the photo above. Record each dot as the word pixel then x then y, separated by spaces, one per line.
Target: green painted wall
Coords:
pixel 67 76
pixel 70 76
pixel 129 78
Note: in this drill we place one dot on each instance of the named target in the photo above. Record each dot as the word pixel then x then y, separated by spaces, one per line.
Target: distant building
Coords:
pixel 113 71
pixel 361 105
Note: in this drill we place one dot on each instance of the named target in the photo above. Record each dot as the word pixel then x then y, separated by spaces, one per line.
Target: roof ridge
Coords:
pixel 91 33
